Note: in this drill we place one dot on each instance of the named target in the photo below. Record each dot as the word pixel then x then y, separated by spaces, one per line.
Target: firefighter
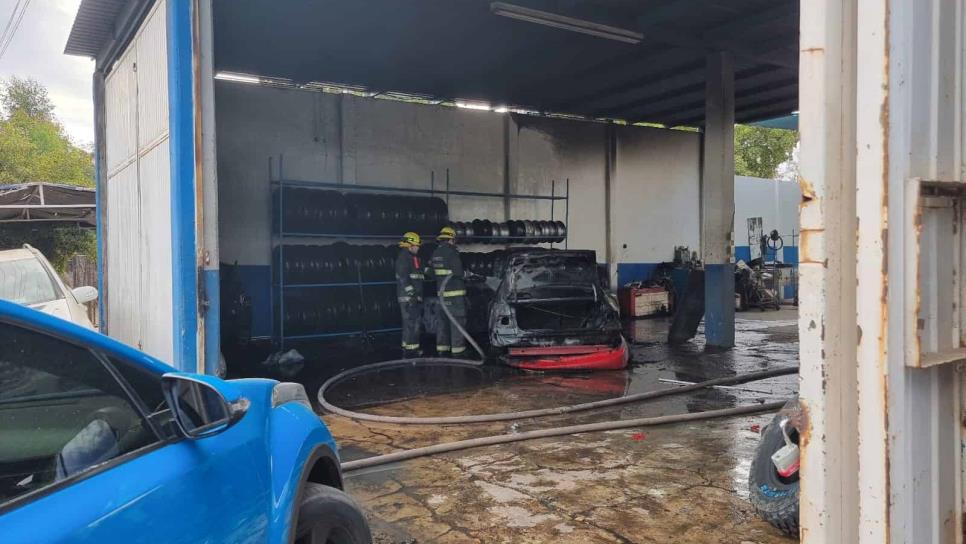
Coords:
pixel 446 262
pixel 409 287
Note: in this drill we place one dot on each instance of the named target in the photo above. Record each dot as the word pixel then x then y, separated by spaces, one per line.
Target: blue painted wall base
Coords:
pixel 719 305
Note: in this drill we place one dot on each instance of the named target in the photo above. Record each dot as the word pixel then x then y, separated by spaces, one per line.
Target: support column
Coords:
pixel 718 200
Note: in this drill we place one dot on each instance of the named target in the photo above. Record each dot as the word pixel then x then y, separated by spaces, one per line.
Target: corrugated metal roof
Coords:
pixel 93 26
pixel 465 50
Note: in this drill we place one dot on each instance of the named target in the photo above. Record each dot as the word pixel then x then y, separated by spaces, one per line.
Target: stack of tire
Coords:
pixel 336 309
pixel 337 263
pixel 482 231
pixel 315 211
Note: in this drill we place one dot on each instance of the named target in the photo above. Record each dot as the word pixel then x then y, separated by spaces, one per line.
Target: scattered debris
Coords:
pixel 287 364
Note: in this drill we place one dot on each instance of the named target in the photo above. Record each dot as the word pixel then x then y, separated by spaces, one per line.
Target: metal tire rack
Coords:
pixel 279 235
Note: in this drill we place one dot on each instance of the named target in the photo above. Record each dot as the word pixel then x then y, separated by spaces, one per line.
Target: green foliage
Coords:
pixel 28 96
pixel 34 147
pixel 58 244
pixel 759 151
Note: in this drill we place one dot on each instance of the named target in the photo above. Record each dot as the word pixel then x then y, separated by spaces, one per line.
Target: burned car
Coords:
pixel 551 311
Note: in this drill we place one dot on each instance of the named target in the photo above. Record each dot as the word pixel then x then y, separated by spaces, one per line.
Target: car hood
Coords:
pixel 58 308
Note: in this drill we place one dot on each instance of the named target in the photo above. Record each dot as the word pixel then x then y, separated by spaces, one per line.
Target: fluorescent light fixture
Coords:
pixel 563 22
pixel 501 109
pixel 240 78
pixel 472 105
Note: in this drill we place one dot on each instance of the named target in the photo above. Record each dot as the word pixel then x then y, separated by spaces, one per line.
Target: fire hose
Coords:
pixel 527 414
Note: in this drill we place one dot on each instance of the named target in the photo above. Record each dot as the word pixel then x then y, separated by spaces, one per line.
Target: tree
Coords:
pixel 28 96
pixel 34 147
pixel 759 151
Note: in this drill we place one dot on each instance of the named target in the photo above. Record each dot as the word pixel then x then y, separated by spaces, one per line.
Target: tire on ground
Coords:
pixel 328 511
pixel 774 498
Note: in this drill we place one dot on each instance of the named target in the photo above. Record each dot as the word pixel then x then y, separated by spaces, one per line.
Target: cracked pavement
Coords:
pixel 684 483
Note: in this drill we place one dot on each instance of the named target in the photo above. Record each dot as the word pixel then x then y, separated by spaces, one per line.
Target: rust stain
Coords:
pixel 803 422
pixel 813 50
pixel 884 317
pixel 806 247
pixel 807 189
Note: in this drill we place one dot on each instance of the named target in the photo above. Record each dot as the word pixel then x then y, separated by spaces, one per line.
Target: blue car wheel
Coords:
pixel 329 516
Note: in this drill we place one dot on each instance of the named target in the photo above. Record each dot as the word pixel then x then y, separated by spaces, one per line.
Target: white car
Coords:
pixel 26 277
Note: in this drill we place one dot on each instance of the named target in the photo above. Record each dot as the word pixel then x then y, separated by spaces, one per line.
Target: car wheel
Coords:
pixel 329 516
pixel 774 497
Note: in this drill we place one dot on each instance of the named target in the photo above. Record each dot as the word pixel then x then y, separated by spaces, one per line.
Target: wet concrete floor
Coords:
pixel 684 483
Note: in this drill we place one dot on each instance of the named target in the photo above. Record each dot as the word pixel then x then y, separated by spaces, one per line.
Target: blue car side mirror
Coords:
pixel 198 408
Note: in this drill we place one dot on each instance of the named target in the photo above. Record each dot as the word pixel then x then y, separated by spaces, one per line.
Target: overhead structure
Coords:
pixel 47 203
pixel 628 60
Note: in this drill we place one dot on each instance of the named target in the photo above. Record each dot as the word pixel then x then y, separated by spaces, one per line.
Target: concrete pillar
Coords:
pixel 718 200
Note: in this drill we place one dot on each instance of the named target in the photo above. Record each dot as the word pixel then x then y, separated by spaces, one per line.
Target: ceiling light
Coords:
pixel 563 22
pixel 472 105
pixel 240 78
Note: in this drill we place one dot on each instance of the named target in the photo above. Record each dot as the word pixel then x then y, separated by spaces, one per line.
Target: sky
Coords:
pixel 37 51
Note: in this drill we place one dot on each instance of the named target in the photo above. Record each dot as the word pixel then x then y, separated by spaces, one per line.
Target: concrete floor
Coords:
pixel 683 483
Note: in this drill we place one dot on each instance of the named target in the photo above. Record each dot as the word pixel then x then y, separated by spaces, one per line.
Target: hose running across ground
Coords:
pixel 527 414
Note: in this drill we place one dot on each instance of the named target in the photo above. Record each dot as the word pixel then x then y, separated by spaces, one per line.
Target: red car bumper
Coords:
pixel 570 357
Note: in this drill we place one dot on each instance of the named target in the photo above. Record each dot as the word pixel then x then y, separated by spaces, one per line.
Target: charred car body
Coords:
pixel 551 298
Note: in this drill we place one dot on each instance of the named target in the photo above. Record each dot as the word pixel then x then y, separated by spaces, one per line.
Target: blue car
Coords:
pixel 102 443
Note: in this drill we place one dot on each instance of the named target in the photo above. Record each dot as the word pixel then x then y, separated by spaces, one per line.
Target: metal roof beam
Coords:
pixel 693 82
pixel 761 114
pixel 748 104
pixel 775 54
pixel 695 108
pixel 668 12
pixel 652 80
pixel 783 58
pixel 781 14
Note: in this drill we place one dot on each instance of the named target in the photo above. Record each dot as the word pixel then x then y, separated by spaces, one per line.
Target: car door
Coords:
pixel 85 458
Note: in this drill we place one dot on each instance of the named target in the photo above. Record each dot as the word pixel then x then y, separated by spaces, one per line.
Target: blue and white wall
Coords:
pixel 776 202
pixel 653 175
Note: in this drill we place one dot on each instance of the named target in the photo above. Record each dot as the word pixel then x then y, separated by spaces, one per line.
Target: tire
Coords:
pixel 773 497
pixel 329 516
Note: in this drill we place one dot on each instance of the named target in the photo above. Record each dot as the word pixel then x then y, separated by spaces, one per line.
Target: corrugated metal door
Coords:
pixel 138 231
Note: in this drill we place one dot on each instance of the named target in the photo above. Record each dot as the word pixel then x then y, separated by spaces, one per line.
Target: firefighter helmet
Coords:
pixel 410 239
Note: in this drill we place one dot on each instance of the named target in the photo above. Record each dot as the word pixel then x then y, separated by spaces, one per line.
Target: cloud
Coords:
pixel 37 51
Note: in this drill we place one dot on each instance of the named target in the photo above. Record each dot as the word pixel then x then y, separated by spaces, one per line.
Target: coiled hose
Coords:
pixel 527 414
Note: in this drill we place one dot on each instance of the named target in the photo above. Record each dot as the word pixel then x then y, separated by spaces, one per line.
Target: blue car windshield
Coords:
pixel 25 281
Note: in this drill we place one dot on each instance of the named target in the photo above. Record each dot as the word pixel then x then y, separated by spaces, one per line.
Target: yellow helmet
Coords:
pixel 446 233
pixel 410 239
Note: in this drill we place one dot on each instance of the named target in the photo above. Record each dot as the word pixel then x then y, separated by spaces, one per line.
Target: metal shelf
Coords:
pixel 279 235
pixel 396 237
pixel 347 236
pixel 354 188
pixel 320 285
pixel 337 334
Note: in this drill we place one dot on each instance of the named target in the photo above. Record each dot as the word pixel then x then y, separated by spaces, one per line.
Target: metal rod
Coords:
pixel 362 295
pixel 553 193
pixel 281 258
pixel 383 236
pixel 348 333
pixel 567 216
pixel 432 182
pixel 447 191
pixel 682 382
pixel 323 285
pixel 380 188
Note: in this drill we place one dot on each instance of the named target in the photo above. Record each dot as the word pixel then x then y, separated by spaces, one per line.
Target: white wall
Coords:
pixel 139 303
pixel 776 202
pixel 657 194
pixel 370 141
